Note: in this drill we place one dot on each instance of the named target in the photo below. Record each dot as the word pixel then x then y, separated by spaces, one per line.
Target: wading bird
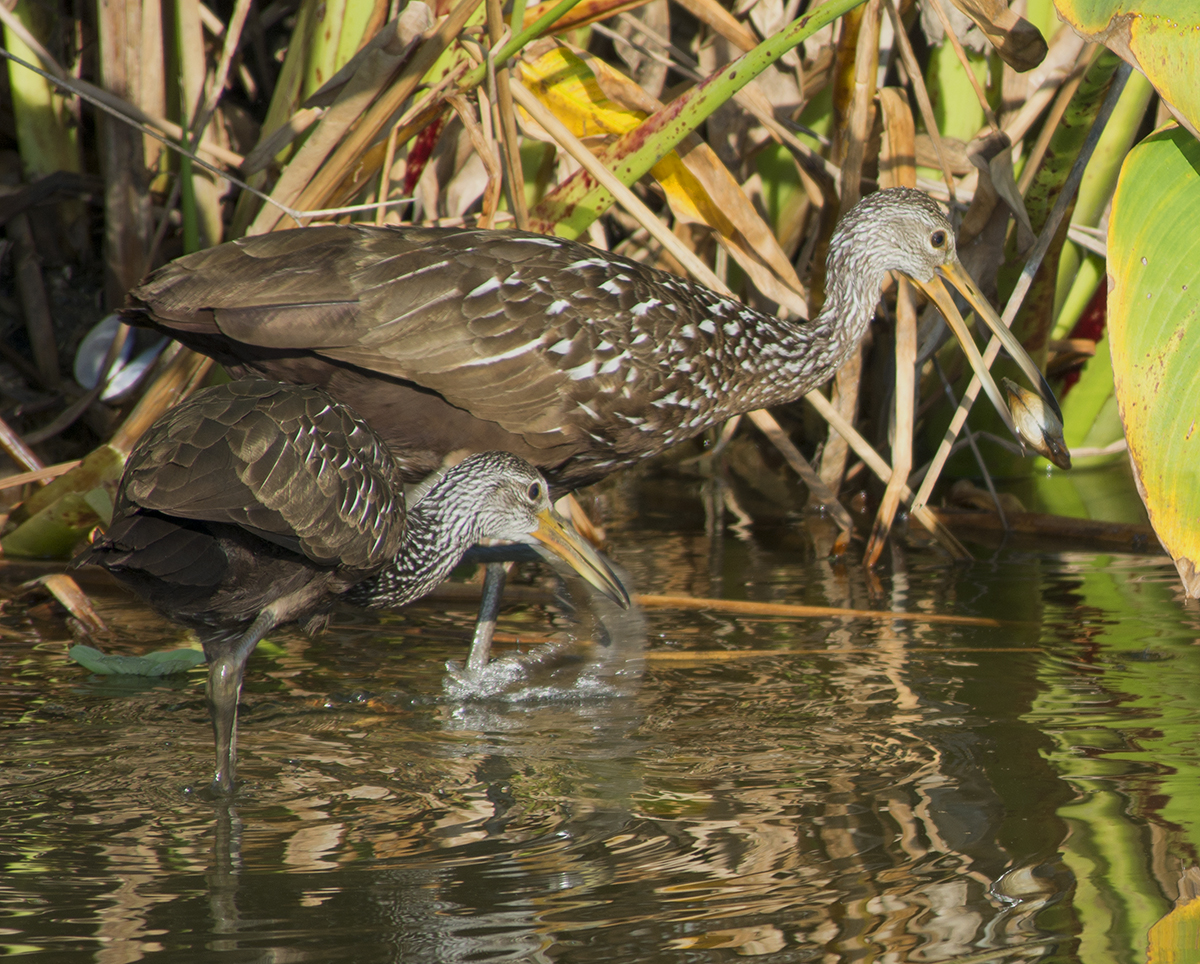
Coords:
pixel 581 361
pixel 257 503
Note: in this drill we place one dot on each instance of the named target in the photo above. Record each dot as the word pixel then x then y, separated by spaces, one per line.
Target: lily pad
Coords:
pixel 162 663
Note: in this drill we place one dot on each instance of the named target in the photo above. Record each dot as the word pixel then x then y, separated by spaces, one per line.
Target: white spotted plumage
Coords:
pixel 544 343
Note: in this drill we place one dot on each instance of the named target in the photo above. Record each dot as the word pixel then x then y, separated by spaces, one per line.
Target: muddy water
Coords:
pixel 698 787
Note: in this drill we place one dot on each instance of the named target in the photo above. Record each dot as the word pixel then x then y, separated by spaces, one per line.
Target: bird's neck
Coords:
pixel 804 355
pixel 439 530
pixel 843 319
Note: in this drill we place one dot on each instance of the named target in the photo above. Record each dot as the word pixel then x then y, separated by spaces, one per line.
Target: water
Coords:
pixel 707 787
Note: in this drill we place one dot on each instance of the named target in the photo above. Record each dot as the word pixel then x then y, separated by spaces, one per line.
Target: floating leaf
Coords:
pixel 162 663
pixel 1153 301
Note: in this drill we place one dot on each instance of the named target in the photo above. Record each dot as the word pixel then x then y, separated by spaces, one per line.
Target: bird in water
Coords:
pixel 256 503
pixel 579 360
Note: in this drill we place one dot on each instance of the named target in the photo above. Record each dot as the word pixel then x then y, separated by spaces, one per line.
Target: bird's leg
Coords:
pixel 226 668
pixel 495 575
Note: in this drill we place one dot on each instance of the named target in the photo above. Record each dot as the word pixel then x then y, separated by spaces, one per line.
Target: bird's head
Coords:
pixel 510 501
pixel 903 230
pixel 895 230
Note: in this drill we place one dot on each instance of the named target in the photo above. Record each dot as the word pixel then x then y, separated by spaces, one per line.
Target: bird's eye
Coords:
pixel 535 491
pixel 938 238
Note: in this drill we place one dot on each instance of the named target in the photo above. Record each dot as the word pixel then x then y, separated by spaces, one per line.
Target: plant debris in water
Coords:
pixel 163 663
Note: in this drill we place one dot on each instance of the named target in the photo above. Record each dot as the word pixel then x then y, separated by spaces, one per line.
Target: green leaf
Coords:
pixel 162 663
pixel 955 104
pixel 53 520
pixel 1089 416
pixel 1105 492
pixel 1153 301
pixel 55 531
pixel 1156 36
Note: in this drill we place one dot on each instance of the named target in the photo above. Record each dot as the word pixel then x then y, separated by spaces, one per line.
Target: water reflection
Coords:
pixel 703 787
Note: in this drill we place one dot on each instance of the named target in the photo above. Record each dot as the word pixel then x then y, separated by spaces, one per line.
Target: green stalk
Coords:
pixel 46 135
pixel 188 208
pixel 648 143
pixel 695 106
pixel 1035 319
pixel 476 77
pixel 1077 274
pixel 518 13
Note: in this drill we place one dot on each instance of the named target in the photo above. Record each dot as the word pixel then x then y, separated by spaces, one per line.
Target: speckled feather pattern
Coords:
pixel 284 462
pixel 579 360
pixel 259 495
pixel 483 497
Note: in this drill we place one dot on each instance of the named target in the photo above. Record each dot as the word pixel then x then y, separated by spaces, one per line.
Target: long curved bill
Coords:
pixel 556 535
pixel 1045 437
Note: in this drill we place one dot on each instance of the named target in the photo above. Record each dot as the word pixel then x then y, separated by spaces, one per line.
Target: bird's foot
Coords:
pixel 550 671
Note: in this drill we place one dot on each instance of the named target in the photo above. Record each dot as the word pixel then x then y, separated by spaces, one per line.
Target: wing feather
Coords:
pixel 281 461
pixel 536 335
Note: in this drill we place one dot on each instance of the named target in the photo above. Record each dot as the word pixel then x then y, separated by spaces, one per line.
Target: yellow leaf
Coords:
pixel 565 84
pixel 594 100
pixel 1176 938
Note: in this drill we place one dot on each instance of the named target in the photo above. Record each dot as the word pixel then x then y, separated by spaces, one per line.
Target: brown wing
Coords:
pixel 549 339
pixel 282 461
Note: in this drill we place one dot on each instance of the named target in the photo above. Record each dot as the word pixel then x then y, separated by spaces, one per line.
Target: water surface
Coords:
pixel 705 787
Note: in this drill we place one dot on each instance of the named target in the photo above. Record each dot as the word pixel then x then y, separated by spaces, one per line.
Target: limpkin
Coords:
pixel 257 503
pixel 576 359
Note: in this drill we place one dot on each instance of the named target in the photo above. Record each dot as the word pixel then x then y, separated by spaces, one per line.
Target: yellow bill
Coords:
pixel 556 535
pixel 1045 427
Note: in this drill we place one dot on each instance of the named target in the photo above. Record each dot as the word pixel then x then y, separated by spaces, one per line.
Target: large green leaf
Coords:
pixel 1154 294
pixel 1156 36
